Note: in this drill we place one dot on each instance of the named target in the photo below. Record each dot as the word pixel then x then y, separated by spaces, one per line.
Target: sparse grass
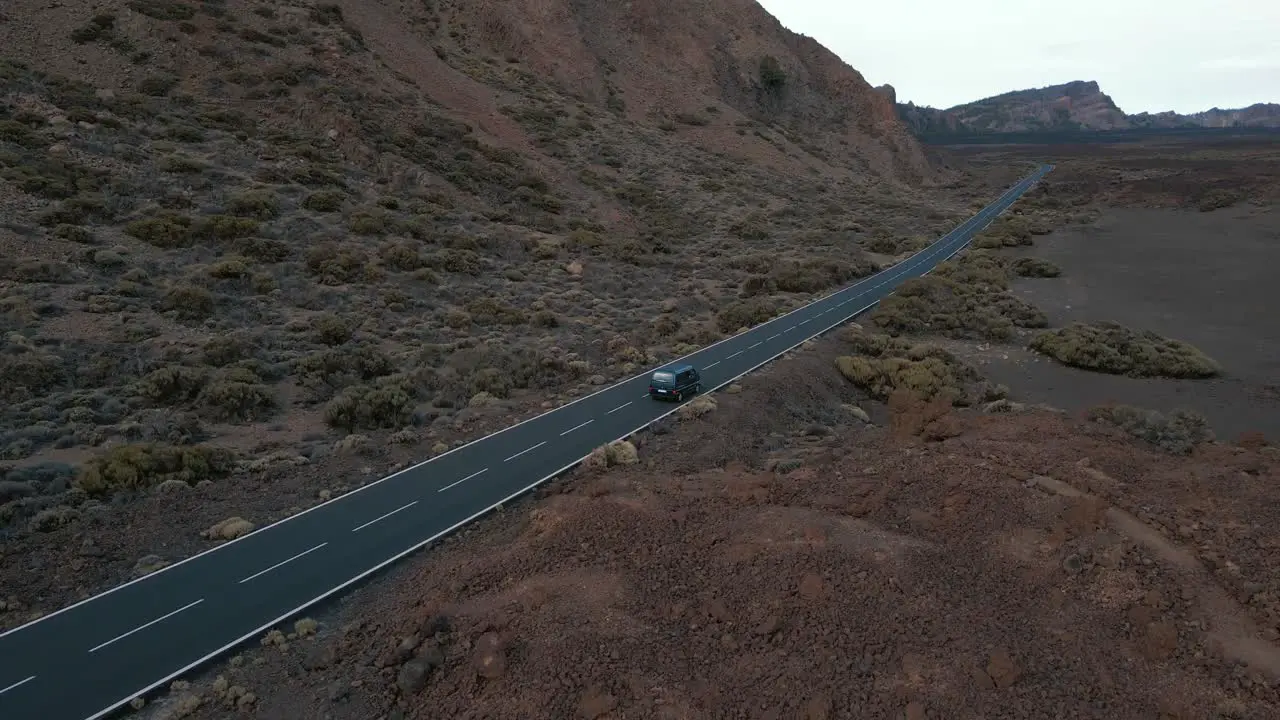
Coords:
pixel 1113 348
pixel 1178 432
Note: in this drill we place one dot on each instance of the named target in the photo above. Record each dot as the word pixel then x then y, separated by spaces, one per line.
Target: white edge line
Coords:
pixel 260 573
pixel 456 483
pixel 140 628
pixel 577 427
pixel 110 709
pixel 384 517
pixel 959 228
pixel 526 450
pixel 17 685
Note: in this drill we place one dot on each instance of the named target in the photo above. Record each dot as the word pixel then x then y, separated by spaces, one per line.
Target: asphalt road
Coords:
pixel 93 657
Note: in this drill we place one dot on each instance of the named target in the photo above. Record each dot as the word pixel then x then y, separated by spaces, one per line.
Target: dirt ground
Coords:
pixel 1151 259
pixel 1026 566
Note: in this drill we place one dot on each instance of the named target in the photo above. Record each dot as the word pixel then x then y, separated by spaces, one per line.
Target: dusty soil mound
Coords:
pixel 1025 567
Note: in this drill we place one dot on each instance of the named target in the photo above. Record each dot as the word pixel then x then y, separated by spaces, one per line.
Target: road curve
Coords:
pixel 89 659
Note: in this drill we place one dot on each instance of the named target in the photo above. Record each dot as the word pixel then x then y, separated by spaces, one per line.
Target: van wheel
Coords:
pixel 697 388
pixel 679 397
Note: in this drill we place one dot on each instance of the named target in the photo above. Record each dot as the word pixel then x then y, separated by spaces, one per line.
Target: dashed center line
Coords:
pixel 17 685
pixel 622 406
pixel 576 427
pixel 802 322
pixel 144 627
pixel 753 347
pixel 384 517
pixel 282 562
pixel 772 337
pixel 459 482
pixel 711 365
pixel 535 447
pixel 734 355
pixel 793 327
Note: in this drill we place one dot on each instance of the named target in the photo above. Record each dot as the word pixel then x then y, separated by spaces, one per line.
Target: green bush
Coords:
pixel 330 370
pixel 190 302
pixel 233 400
pixel 337 263
pixel 325 201
pixel 172 384
pixel 168 230
pixel 145 465
pixel 331 329
pixel 1178 432
pixel 258 204
pixel 1110 347
pixel 745 313
pixel 384 404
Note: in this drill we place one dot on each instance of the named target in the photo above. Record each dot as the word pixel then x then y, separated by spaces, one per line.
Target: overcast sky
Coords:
pixel 1148 55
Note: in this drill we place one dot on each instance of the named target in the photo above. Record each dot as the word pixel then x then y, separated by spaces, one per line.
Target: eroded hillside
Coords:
pixel 240 235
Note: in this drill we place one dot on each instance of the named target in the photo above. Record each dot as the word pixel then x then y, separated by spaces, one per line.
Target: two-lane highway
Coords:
pixel 89 659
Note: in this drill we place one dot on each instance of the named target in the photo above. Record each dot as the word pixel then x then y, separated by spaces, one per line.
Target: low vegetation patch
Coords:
pixel 1178 432
pixel 1110 347
pixel 141 466
pixel 965 298
pixel 881 364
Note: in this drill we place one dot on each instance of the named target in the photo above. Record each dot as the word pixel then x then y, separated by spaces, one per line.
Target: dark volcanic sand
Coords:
pixel 1206 278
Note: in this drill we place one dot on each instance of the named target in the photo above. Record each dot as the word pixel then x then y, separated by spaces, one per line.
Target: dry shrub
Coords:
pixel 258 204
pixel 1178 432
pixel 331 329
pixel 1113 348
pixel 697 407
pixel 1035 268
pixel 330 370
pixel 189 302
pixel 145 465
pixel 620 452
pixel 337 263
pixel 387 403
pixel 882 365
pixel 172 384
pixel 234 399
pixel 745 313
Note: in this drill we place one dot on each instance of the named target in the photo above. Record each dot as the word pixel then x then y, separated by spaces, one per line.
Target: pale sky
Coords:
pixel 1148 55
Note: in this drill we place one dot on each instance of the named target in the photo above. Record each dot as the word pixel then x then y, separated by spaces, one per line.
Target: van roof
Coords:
pixel 677 368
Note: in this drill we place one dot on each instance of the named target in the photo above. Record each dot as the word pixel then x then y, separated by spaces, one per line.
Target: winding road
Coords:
pixel 90 659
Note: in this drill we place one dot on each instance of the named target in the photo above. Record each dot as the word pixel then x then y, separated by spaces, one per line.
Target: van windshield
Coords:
pixel 664 379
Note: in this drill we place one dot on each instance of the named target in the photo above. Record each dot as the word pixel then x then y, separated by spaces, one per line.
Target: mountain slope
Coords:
pixel 292 230
pixel 1072 106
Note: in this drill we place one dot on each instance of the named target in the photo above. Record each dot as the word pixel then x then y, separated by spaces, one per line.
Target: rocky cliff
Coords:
pixel 1073 106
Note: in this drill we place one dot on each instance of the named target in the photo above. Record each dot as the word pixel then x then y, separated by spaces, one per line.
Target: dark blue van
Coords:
pixel 675 383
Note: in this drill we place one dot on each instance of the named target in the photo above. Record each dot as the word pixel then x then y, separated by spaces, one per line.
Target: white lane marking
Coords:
pixel 380 518
pixel 17 685
pixel 459 482
pixel 772 337
pixel 708 367
pixel 332 591
pixel 283 562
pixel 644 396
pixel 802 322
pixel 793 327
pixel 622 406
pixel 535 447
pixel 577 427
pixel 734 355
pixel 753 347
pixel 140 628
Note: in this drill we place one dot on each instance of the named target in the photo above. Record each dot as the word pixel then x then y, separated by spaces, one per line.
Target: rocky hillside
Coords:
pixel 1258 115
pixel 291 229
pixel 1074 106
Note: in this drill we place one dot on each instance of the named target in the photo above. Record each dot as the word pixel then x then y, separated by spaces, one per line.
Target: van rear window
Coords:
pixel 664 378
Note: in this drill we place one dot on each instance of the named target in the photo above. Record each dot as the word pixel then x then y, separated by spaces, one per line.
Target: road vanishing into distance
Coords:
pixel 90 659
